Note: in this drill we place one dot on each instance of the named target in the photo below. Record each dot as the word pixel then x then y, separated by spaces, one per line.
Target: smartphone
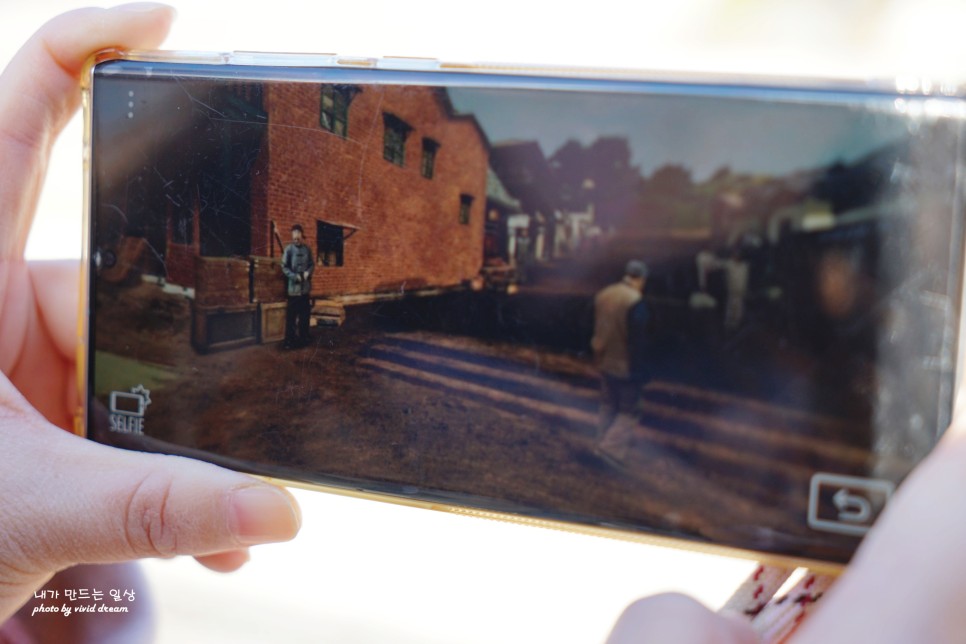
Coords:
pixel 716 312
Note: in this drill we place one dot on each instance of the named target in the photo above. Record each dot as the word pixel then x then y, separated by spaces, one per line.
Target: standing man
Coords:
pixel 619 319
pixel 297 265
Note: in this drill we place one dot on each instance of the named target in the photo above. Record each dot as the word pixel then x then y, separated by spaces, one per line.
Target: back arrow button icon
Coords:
pixel 851 507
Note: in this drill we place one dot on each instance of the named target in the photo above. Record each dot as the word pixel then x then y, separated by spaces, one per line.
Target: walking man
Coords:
pixel 619 319
pixel 297 265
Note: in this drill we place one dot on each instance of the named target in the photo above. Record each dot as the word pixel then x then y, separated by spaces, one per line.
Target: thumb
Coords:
pixel 39 91
pixel 90 503
pixel 906 582
pixel 677 618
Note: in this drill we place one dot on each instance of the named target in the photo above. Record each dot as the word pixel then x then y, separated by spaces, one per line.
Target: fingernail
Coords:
pixel 262 514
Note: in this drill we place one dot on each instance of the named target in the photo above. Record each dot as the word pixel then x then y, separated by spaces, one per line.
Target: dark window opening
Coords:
pixel 334 113
pixel 331 242
pixel 428 165
pixel 394 139
pixel 466 201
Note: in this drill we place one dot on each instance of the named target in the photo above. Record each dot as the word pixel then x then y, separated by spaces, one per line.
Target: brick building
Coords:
pixel 387 181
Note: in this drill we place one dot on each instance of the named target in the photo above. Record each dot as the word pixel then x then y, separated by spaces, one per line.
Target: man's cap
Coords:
pixel 636 268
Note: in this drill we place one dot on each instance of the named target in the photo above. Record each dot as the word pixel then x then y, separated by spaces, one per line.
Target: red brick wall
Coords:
pixel 180 264
pixel 409 232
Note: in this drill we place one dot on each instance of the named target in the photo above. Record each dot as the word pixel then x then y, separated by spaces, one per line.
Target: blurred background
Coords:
pixel 370 572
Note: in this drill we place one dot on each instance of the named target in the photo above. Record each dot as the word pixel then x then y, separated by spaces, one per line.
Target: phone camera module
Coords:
pixel 107 259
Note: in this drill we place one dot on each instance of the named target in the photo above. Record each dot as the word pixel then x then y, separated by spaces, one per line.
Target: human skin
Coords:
pixel 68 501
pixel 906 583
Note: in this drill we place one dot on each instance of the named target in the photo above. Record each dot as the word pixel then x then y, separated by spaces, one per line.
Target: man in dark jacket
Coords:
pixel 619 319
pixel 297 265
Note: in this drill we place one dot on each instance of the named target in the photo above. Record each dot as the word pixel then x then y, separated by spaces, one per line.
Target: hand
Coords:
pixel 305 276
pixel 907 582
pixel 67 500
pixel 679 619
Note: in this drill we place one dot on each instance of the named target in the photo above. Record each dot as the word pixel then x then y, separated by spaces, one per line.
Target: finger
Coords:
pixel 225 561
pixel 56 286
pixel 39 320
pixel 906 582
pixel 41 373
pixel 94 504
pixel 39 91
pixel 677 618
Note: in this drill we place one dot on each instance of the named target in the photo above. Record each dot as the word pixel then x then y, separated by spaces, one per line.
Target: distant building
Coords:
pixel 523 169
pixel 500 208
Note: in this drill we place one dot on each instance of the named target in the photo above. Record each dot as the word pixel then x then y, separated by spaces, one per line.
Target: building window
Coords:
pixel 465 202
pixel 334 113
pixel 429 158
pixel 394 139
pixel 331 242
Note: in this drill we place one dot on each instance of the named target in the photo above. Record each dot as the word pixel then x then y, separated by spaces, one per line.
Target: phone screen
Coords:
pixel 722 313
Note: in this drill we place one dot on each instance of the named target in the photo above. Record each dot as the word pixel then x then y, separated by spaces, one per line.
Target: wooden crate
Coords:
pixel 272 321
pixel 221 281
pixel 223 327
pixel 268 281
pixel 328 313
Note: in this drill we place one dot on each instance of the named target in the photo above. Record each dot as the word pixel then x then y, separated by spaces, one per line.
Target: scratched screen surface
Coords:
pixel 792 354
